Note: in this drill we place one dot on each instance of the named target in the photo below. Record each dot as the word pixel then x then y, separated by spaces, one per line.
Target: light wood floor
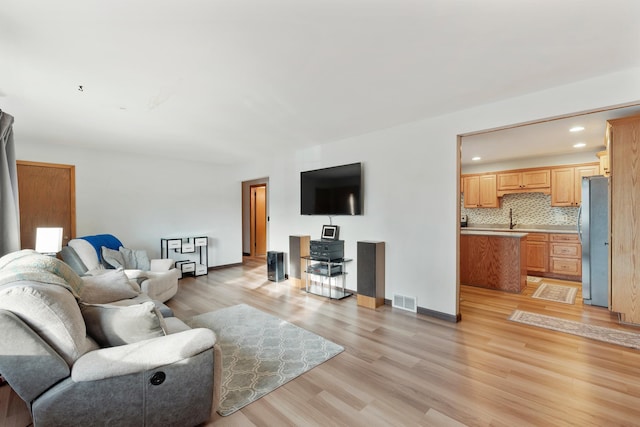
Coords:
pixel 401 368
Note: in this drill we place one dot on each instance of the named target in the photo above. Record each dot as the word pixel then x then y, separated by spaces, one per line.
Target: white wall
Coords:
pixel 411 181
pixel 411 178
pixel 141 199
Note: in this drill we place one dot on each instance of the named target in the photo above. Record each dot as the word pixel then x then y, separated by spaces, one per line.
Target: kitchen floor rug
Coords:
pixel 599 333
pixel 534 279
pixel 558 293
pixel 260 352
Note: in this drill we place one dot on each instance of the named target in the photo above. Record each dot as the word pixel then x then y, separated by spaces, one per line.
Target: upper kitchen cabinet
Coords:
pixel 523 181
pixel 566 183
pixel 604 155
pixel 480 191
pixel 604 162
pixel 624 247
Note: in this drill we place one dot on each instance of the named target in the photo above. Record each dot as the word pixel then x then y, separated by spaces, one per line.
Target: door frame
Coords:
pixel 253 218
pixel 246 213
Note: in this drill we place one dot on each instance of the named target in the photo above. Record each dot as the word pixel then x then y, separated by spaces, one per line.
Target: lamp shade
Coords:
pixel 48 240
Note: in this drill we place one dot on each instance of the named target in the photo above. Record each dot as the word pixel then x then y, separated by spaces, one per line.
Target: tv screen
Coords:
pixel 332 191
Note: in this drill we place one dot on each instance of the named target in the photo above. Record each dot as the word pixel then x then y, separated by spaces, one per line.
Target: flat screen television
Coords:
pixel 332 191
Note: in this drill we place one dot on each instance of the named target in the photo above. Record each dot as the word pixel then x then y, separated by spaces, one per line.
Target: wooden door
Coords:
pixel 580 172
pixel 536 179
pixel 487 190
pixel 624 245
pixel 509 181
pixel 537 252
pixel 47 199
pixel 258 220
pixel 471 191
pixel 562 187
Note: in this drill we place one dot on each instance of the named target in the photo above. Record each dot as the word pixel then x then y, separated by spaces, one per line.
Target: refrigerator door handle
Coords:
pixel 580 223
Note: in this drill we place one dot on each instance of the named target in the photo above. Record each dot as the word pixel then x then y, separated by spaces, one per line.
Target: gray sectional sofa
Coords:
pixel 81 352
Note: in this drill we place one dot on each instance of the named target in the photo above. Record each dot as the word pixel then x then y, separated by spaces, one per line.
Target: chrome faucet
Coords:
pixel 511 223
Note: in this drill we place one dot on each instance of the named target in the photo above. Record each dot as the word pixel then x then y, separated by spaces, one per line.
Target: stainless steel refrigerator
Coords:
pixel 593 229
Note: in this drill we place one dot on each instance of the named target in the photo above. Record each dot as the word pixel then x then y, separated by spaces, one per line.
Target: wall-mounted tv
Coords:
pixel 332 191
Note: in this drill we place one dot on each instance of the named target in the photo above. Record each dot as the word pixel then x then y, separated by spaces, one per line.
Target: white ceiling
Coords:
pixel 542 139
pixel 226 80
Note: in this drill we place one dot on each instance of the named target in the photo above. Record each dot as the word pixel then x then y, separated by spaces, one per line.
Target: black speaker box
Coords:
pixel 275 266
pixel 371 274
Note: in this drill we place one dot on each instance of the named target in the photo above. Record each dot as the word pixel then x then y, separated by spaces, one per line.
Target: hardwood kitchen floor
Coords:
pixel 401 368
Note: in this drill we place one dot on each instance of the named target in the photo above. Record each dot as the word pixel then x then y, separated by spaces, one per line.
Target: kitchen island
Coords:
pixel 494 260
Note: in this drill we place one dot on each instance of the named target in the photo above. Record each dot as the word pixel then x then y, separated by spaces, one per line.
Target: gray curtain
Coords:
pixel 9 209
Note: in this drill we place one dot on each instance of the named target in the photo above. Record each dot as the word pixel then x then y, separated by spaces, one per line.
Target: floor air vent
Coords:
pixel 405 303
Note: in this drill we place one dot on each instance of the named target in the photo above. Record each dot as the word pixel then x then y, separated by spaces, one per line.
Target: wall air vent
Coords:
pixel 405 303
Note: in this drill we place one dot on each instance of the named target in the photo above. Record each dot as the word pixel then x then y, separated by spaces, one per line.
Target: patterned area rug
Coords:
pixel 534 279
pixel 558 293
pixel 260 353
pixel 600 333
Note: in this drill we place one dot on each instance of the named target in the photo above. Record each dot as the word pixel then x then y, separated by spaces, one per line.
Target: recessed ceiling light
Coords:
pixel 579 145
pixel 576 129
pixel 476 158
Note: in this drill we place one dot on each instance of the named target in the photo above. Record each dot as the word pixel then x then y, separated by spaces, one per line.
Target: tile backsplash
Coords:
pixel 528 208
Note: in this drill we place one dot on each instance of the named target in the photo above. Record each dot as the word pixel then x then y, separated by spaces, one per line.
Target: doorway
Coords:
pixel 258 218
pixel 47 198
pixel 255 217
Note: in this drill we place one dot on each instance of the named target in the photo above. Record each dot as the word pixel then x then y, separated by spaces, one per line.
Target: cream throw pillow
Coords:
pixel 53 313
pixel 108 286
pixel 113 325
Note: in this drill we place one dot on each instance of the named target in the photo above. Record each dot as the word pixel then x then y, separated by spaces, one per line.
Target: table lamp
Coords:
pixel 48 240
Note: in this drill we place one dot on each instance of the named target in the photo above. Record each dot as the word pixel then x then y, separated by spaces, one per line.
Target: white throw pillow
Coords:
pixel 87 253
pixel 135 259
pixel 108 286
pixel 113 325
pixel 112 258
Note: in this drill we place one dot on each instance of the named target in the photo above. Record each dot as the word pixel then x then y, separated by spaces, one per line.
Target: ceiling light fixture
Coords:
pixel 579 145
pixel 576 129
pixel 476 158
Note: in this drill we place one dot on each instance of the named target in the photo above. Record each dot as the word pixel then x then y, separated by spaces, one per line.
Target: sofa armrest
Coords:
pixel 142 356
pixel 165 264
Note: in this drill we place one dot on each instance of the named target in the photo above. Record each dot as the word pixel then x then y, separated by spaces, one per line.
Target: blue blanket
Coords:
pixel 99 240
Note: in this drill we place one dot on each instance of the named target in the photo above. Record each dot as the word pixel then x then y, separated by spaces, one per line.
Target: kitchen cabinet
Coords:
pixel 480 191
pixel 565 255
pixel 525 180
pixel 537 252
pixel 493 260
pixel 624 247
pixel 603 156
pixel 604 162
pixel 566 183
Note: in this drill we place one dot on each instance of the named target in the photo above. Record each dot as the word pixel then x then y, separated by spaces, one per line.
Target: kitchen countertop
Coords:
pixel 521 228
pixel 494 233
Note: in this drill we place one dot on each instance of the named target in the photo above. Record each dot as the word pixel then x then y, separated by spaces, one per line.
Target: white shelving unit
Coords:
pixel 193 251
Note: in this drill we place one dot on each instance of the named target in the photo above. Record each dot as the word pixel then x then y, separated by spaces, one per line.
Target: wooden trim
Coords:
pixel 433 313
pixel 369 302
pixel 553 119
pixel 217 267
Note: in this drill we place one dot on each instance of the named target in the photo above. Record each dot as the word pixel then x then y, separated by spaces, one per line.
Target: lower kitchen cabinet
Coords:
pixel 565 255
pixel 537 253
pixel 556 255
